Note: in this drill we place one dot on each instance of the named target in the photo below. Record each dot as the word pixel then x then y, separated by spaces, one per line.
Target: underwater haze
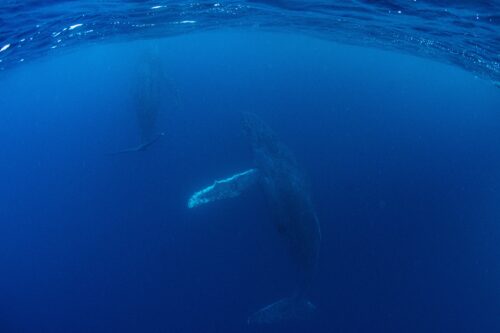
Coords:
pixel 373 147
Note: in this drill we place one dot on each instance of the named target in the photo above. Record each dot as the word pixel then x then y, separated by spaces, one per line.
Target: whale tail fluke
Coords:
pixel 285 310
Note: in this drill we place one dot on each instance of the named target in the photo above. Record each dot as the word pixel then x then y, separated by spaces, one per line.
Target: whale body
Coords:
pixel 276 171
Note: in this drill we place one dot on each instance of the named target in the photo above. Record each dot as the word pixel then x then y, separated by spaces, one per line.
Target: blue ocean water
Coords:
pixel 388 107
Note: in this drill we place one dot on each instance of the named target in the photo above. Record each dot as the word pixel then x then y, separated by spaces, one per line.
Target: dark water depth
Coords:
pixel 401 153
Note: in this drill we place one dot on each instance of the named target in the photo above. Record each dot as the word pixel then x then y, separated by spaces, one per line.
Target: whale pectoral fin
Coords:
pixel 285 310
pixel 225 188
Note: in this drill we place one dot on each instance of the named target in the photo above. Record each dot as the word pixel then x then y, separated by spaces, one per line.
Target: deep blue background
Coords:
pixel 402 154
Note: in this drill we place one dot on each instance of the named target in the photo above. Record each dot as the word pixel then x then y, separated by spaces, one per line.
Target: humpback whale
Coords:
pixel 142 147
pixel 276 172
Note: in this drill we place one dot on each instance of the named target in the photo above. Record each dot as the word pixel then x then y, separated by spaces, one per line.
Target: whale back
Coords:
pixel 288 197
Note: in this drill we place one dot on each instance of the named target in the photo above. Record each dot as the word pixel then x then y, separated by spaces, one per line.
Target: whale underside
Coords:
pixel 276 171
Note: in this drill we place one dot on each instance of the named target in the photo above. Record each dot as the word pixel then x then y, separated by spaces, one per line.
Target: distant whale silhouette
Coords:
pixel 293 213
pixel 142 147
